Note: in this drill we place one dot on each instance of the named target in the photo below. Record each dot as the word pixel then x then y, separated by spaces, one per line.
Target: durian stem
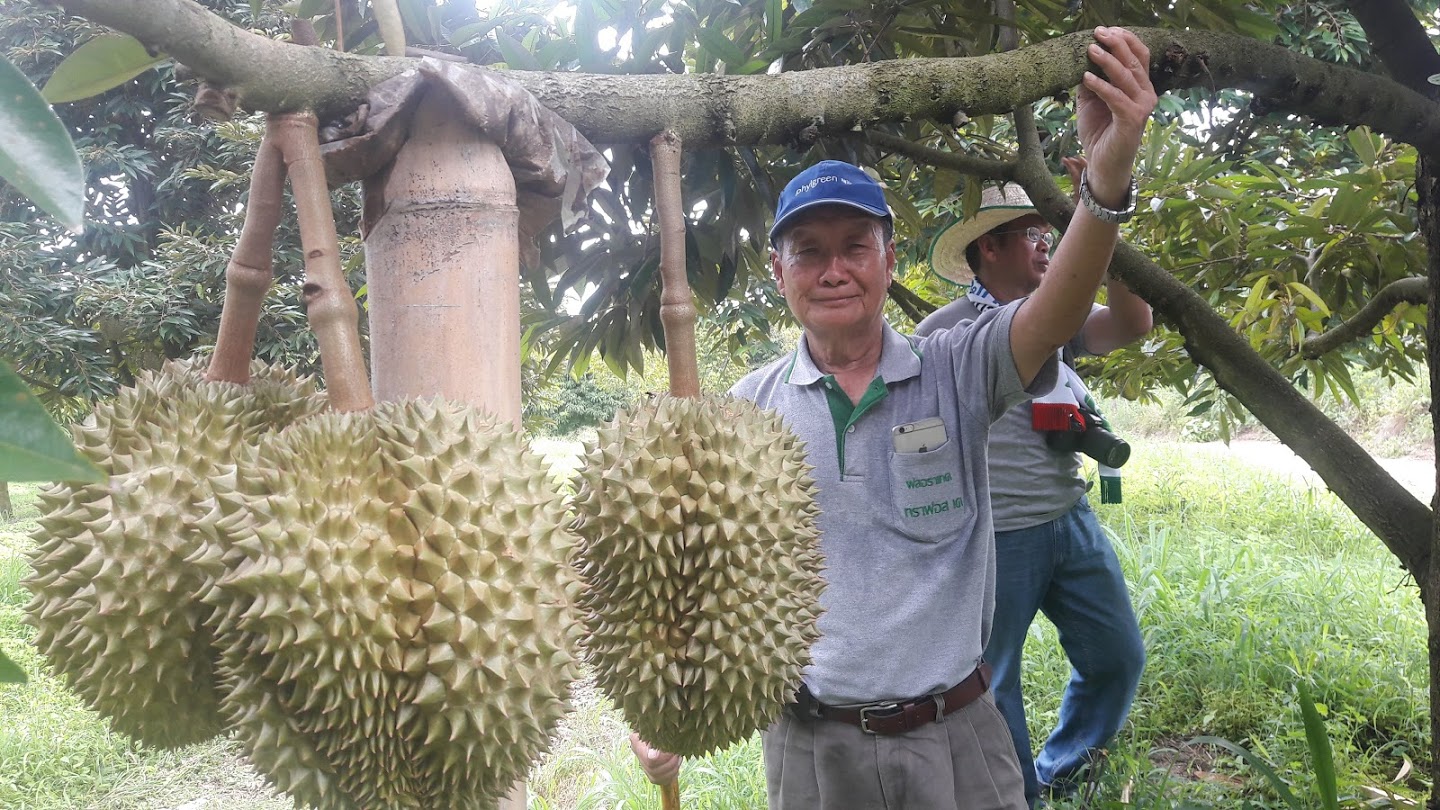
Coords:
pixel 392 27
pixel 247 276
pixel 677 307
pixel 339 28
pixel 329 304
pixel 670 795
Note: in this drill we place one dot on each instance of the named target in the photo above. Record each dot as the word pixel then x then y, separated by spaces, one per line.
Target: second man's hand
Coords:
pixel 662 768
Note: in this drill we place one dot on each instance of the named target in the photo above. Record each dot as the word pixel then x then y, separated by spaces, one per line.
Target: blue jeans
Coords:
pixel 1068 569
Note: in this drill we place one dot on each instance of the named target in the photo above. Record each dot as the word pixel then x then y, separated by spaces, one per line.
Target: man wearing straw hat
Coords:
pixel 895 710
pixel 1050 553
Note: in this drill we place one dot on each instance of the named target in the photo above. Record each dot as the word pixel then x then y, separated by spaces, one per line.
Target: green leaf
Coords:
pixel 467 35
pixel 1310 294
pixel 36 155
pixel 775 16
pixel 904 210
pixel 32 447
pixel 587 37
pixel 106 61
pixel 1260 766
pixel 970 199
pixel 514 53
pixel 1254 24
pixel 1348 203
pixel 10 672
pixel 1322 756
pixel 255 6
pixel 419 19
pixel 309 9
pixel 944 184
pixel 1366 146
pixel 716 43
pixel 1255 301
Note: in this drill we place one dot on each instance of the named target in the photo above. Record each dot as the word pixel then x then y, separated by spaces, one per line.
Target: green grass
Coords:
pixel 1245 584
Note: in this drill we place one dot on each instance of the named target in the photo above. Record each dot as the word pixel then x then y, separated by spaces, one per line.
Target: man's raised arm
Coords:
pixel 1111 118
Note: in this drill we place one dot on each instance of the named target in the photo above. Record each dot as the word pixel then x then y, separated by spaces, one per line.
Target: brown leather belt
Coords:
pixel 898 717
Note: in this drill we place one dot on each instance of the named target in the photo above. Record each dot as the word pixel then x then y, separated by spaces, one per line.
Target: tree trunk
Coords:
pixel 1427 187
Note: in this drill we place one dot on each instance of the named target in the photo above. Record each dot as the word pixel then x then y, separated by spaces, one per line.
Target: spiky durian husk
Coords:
pixel 114 604
pixel 397 630
pixel 701 563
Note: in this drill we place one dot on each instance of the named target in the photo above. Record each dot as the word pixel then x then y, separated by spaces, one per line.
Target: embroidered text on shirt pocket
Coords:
pixel 925 493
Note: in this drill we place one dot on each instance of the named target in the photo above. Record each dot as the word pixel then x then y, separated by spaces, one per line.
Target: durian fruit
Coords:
pixel 398 611
pixel 701 562
pixel 114 603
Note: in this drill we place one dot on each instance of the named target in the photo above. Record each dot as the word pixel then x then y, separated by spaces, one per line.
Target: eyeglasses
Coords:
pixel 1035 235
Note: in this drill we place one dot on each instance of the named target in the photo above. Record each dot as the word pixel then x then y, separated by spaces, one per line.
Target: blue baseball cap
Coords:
pixel 829 182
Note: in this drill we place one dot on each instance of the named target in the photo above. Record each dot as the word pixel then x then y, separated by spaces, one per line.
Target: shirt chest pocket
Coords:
pixel 925 493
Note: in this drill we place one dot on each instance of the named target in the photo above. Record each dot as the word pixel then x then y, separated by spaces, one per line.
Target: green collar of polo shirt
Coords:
pixel 900 360
pixel 844 413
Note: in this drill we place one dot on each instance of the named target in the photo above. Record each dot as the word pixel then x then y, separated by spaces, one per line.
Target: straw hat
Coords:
pixel 997 207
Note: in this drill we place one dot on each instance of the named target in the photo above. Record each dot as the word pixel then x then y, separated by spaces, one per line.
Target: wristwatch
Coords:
pixel 1109 214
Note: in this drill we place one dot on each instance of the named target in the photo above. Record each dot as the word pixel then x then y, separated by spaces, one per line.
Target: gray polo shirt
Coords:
pixel 907 537
pixel 1030 484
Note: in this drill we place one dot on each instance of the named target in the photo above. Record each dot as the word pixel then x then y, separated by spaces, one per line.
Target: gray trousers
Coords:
pixel 966 762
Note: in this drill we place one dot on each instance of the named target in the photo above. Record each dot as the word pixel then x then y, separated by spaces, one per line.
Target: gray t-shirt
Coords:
pixel 1030 484
pixel 907 537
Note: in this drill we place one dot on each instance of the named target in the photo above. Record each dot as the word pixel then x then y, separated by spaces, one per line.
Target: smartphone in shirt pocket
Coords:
pixel 919 437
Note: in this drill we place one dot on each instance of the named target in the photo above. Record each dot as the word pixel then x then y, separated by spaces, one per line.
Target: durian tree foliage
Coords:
pixel 1288 168
pixel 38 158
pixel 82 314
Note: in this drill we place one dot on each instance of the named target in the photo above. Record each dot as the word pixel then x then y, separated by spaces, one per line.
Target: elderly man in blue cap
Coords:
pixel 895 709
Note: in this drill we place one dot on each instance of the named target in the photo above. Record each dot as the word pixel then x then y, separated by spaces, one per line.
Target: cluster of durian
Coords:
pixel 377 604
pixel 701 560
pixel 115 607
pixel 380 604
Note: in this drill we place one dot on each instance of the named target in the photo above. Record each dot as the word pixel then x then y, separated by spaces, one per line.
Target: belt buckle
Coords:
pixel 866 711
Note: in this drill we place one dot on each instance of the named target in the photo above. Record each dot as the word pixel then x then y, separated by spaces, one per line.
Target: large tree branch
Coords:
pixel 1413 290
pixel 711 110
pixel 983 168
pixel 914 307
pixel 1399 41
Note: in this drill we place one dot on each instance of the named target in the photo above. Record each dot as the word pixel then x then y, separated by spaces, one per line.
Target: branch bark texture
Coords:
pixel 1413 290
pixel 1398 40
pixel 712 110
